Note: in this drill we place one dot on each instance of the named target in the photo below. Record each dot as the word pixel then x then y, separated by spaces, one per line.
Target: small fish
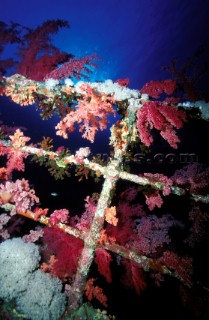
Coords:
pixel 54 194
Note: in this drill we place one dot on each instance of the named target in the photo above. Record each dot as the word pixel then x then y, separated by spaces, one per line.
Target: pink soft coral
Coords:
pixel 193 177
pixel 91 114
pixel 153 233
pixel 14 155
pixel 19 193
pixel 59 216
pixel 154 199
pixel 83 223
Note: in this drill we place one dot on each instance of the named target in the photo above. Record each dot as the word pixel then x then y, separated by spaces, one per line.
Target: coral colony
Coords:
pixel 45 271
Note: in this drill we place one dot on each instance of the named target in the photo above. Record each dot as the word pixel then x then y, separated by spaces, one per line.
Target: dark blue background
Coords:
pixel 134 38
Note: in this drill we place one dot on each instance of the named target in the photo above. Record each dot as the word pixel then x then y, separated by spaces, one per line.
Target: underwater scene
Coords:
pixel 104 165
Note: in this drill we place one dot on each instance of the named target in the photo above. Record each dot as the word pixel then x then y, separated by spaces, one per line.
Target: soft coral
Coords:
pixel 66 250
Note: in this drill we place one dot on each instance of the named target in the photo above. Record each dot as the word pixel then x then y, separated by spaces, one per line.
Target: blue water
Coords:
pixel 134 38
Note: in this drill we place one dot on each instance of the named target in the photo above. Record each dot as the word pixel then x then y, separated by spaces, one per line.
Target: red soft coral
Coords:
pixel 92 291
pixel 162 117
pixel 79 67
pixel 66 249
pixel 123 82
pixel 103 259
pixel 127 212
pixel 134 276
pixel 38 56
pixel 155 88
pixel 182 266
pixel 8 34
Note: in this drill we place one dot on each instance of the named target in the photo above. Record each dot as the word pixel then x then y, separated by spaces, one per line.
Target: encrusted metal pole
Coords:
pixel 90 245
pixel 111 176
